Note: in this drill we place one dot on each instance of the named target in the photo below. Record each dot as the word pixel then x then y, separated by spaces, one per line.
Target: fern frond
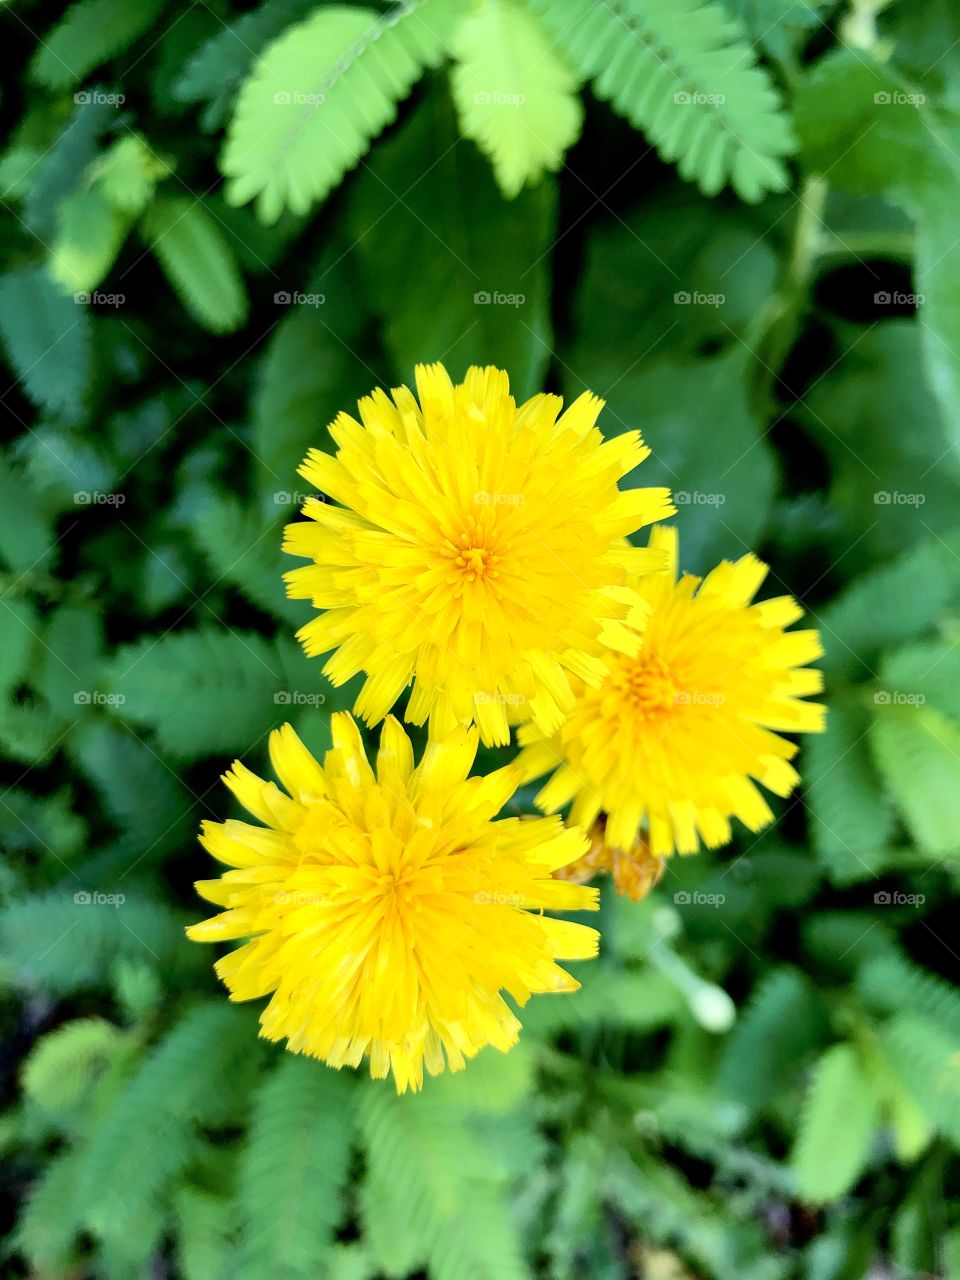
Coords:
pixel 203 1234
pixel 926 1057
pixel 67 944
pixel 851 818
pixel 203 691
pixel 682 71
pixel 891 982
pixel 216 70
pixel 91 33
pixel 47 337
pixel 859 621
pixel 64 1064
pixel 780 1026
pixel 435 1192
pixel 917 750
pixel 320 94
pixel 242 548
pixel 929 672
pixel 293 1170
pixel 836 1127
pixel 179 1083
pixel 198 261
pixel 515 96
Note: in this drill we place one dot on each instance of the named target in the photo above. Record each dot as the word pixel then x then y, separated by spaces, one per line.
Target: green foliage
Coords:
pixel 339 76
pixel 758 1077
pixel 295 1164
pixel 48 340
pixel 198 261
pixel 514 96
pixel 683 72
pixel 91 33
pixel 833 1142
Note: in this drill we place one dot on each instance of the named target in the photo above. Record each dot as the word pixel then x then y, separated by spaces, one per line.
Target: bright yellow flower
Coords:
pixel 675 739
pixel 387 912
pixel 476 552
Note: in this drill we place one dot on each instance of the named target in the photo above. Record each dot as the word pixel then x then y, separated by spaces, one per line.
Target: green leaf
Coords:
pixel 203 692
pixel 91 234
pixel 766 1050
pixel 851 818
pixel 91 33
pixel 320 94
pixel 198 261
pixel 127 174
pixel 918 752
pixel 47 339
pixel 217 69
pixel 67 939
pixel 836 1127
pixel 723 481
pixel 244 549
pixel 27 538
pixel 63 1065
pixel 926 1057
pixel 515 97
pixel 294 1169
pixel 480 291
pixel 682 71
pixel 889 487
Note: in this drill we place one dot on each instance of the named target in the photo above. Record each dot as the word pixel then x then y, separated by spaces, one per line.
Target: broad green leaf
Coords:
pixel 836 1127
pixel 92 32
pixel 918 752
pixel 92 231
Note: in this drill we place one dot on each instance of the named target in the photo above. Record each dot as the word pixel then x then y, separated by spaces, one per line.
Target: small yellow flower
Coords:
pixel 388 911
pixel 475 552
pixel 673 742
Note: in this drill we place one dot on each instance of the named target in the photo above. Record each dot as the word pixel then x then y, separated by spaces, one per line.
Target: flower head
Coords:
pixel 475 551
pixel 386 912
pixel 634 871
pixel 675 739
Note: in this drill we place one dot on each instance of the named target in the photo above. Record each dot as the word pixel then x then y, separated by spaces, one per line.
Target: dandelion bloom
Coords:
pixel 671 745
pixel 473 549
pixel 386 912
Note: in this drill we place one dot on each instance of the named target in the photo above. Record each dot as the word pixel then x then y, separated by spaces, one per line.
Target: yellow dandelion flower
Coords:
pixel 675 739
pixel 387 911
pixel 473 549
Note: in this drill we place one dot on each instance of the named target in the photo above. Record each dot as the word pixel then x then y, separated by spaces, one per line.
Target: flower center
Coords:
pixel 647 684
pixel 474 554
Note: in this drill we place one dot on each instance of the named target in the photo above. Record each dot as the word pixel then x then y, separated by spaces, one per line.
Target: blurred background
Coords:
pixel 735 221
